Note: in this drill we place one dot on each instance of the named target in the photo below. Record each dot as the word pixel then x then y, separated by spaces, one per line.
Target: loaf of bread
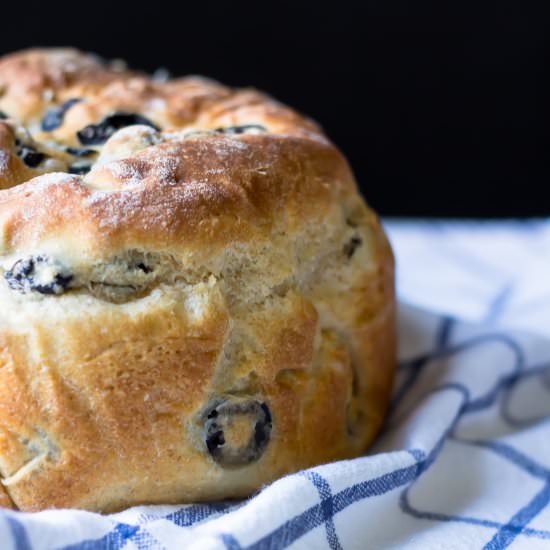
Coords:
pixel 194 298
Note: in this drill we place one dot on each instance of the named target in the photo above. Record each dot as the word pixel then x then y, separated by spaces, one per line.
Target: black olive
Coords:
pixel 241 129
pixel 79 169
pixel 79 152
pixel 227 413
pixel 162 74
pixel 29 155
pixel 22 276
pixel 54 117
pixel 96 134
pixel 351 246
pixel 145 268
pixel 3 116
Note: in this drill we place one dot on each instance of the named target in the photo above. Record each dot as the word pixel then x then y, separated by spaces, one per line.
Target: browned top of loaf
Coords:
pixel 193 188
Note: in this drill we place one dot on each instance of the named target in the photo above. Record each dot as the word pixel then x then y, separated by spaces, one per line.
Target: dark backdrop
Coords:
pixel 440 106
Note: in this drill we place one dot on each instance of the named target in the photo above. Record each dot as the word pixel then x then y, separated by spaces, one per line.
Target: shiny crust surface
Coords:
pixel 208 306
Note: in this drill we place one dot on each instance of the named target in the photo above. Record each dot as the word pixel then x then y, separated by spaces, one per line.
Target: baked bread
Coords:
pixel 194 298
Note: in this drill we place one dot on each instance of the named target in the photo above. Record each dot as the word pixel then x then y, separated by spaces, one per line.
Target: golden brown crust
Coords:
pixel 32 79
pixel 5 500
pixel 202 312
pixel 168 193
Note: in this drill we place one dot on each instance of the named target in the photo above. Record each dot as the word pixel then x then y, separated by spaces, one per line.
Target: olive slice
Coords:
pixel 54 117
pixel 39 274
pixel 243 129
pixel 236 430
pixel 351 246
pixel 96 134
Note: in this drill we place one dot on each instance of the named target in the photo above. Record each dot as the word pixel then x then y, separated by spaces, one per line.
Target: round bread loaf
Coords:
pixel 194 298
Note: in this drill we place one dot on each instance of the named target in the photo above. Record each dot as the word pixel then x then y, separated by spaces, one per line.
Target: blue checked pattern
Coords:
pixel 464 457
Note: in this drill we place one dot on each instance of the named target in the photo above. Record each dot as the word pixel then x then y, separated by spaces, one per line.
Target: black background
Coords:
pixel 440 106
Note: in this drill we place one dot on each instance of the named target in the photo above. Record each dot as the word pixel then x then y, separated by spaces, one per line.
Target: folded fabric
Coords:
pixel 464 458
